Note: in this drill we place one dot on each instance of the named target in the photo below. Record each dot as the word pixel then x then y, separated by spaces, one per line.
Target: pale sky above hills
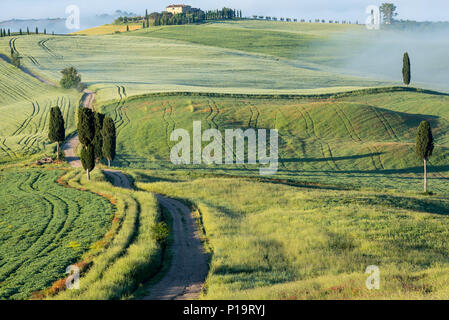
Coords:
pixel 432 10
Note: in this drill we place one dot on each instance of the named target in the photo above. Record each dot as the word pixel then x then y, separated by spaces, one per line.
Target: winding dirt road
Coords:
pixel 189 265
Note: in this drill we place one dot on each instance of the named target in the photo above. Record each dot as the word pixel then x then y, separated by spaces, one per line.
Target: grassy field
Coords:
pixel 44 228
pixel 278 242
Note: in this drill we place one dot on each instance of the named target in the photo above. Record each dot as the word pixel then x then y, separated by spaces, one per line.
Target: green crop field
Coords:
pixel 44 228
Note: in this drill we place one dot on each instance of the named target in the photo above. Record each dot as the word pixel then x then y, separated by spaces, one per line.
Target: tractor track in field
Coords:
pixel 250 116
pixel 254 117
pixel 170 118
pixel 9 150
pixel 311 131
pixel 386 124
pixel 356 137
pixel 213 115
pixel 209 116
pixel 120 112
pixel 43 45
pixel 166 128
pixel 5 152
pixel 17 264
pixel 12 45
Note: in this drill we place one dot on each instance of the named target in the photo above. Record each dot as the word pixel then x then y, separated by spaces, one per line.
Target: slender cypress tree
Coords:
pixel 98 139
pixel 9 32
pixel 56 131
pixel 147 18
pixel 28 31
pixel 406 73
pixel 20 32
pixel 424 146
pixel 86 126
pixel 88 159
pixel 109 139
pixel 37 30
pixel 127 28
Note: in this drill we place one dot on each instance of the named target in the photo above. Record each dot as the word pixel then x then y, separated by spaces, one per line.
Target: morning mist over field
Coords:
pixel 379 53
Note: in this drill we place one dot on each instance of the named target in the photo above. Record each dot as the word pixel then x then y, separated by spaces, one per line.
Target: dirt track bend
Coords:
pixel 189 265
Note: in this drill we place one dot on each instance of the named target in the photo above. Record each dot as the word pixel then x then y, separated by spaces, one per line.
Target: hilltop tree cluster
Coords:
pixel 97 136
pixel 166 18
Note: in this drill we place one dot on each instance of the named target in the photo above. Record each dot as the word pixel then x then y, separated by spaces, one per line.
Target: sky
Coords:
pixel 420 10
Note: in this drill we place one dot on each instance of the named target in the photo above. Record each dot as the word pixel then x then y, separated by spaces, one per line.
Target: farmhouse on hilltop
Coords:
pixel 180 8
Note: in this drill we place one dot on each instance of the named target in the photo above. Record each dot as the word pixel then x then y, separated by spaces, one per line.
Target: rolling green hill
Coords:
pixel 365 136
pixel 24 108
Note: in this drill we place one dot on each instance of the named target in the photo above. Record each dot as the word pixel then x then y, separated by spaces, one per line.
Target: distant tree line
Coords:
pixel 8 33
pixel 269 18
pixel 166 18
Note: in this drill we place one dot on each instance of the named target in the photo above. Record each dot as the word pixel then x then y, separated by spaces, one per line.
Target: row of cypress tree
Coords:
pixel 97 135
pixel 4 33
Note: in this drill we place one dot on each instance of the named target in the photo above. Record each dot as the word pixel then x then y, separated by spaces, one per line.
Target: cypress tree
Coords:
pixel 20 31
pixel 406 73
pixel 109 139
pixel 28 31
pixel 9 32
pixel 37 30
pixel 127 28
pixel 56 131
pixel 147 18
pixel 88 159
pixel 424 146
pixel 86 126
pixel 98 139
pixel 45 31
